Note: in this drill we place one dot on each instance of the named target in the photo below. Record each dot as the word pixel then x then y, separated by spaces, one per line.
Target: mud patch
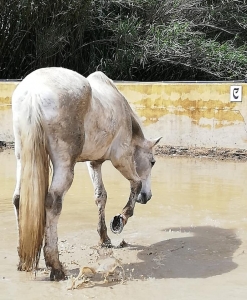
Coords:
pixel 6 145
pixel 235 154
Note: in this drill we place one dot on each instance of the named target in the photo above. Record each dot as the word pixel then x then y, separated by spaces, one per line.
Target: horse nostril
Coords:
pixel 144 198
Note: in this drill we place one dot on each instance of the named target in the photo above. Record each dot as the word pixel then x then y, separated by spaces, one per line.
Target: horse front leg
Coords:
pixel 94 169
pixel 61 181
pixel 127 167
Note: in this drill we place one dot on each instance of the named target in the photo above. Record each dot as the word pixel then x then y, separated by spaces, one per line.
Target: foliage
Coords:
pixel 127 39
pixel 40 33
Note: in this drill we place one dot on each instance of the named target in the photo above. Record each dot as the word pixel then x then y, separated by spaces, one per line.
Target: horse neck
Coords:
pixel 138 142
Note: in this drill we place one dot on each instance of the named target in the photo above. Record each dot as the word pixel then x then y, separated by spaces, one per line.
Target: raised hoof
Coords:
pixel 116 224
pixel 57 275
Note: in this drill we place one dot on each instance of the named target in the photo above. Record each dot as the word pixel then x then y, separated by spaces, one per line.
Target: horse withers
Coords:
pixel 63 117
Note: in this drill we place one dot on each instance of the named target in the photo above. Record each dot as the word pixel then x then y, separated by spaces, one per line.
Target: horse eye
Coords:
pixel 152 162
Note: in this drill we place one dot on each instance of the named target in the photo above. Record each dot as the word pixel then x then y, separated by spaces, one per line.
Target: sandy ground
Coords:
pixel 188 242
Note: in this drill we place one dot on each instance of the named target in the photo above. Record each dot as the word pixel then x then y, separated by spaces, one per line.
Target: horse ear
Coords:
pixel 155 141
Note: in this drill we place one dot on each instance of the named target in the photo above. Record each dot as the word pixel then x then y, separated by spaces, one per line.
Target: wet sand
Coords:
pixel 188 242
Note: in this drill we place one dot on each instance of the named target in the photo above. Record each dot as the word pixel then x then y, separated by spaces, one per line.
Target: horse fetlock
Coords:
pixel 52 262
pixel 127 212
pixel 51 257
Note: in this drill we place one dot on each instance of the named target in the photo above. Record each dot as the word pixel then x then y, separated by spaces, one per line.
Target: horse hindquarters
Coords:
pixel 33 164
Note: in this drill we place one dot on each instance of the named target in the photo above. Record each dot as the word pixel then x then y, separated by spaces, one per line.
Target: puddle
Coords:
pixel 204 188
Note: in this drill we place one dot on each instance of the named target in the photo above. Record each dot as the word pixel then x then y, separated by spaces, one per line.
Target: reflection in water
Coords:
pixel 200 189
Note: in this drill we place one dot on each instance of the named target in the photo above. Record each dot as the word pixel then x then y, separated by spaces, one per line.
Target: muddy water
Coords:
pixel 189 241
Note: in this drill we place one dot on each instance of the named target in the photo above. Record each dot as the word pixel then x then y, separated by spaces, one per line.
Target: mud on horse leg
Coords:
pixel 61 182
pixel 94 169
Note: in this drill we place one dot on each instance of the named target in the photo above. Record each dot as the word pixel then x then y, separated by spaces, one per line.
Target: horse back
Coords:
pixel 61 94
pixel 63 98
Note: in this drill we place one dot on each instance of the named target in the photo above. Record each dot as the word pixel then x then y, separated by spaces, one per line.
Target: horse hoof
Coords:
pixel 106 244
pixel 116 224
pixel 57 275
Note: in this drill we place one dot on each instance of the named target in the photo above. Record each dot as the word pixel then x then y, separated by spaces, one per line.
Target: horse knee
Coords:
pixel 53 202
pixel 100 199
pixel 16 201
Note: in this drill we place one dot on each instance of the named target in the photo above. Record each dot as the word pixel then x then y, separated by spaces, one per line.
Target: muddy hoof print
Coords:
pixel 116 224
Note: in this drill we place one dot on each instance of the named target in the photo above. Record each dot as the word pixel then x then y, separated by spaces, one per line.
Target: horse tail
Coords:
pixel 34 183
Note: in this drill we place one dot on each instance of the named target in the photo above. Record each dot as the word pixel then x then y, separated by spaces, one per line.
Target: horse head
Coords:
pixel 144 161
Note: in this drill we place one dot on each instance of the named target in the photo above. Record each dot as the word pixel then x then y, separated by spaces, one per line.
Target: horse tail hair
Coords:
pixel 34 184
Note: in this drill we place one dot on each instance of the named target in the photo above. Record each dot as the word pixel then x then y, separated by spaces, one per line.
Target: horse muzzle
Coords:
pixel 143 198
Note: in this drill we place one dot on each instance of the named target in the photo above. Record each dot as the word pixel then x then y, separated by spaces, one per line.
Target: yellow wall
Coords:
pixel 185 114
pixel 6 131
pixel 195 100
pixel 6 91
pixel 190 114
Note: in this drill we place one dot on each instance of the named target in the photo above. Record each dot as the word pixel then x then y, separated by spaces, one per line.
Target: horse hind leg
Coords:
pixel 63 175
pixel 16 195
pixel 16 202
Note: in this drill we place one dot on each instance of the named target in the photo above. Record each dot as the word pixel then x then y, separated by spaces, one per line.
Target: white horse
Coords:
pixel 63 117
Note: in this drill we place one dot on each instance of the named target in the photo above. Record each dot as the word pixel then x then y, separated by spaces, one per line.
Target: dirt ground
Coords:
pixel 189 242
pixel 202 152
pixel 182 151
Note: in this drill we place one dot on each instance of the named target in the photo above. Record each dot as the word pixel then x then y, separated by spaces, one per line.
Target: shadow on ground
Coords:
pixel 195 252
pixel 207 252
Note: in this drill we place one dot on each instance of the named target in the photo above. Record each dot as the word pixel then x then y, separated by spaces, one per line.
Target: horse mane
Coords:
pixel 101 76
pixel 136 125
